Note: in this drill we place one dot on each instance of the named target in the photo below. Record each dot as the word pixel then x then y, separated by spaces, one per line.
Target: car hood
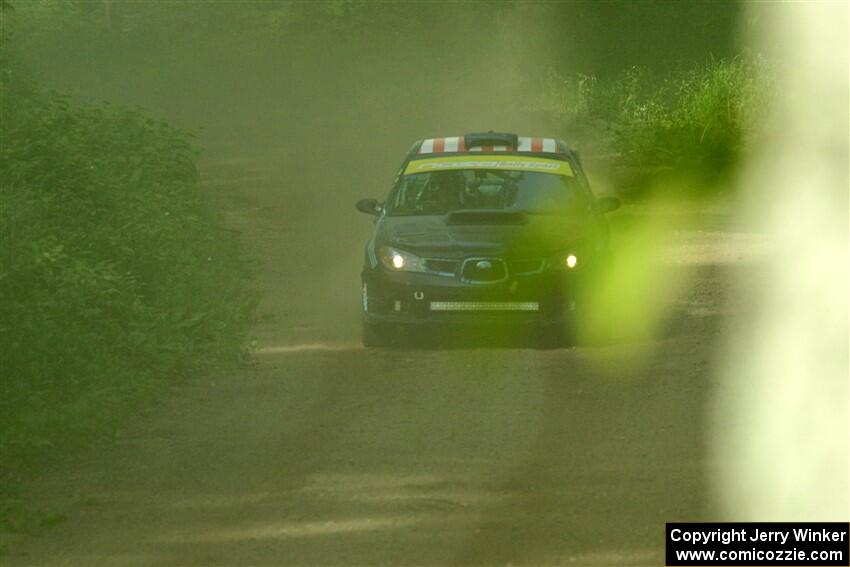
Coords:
pixel 473 233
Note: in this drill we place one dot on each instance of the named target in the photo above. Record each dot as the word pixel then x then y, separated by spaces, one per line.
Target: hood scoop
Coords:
pixel 486 218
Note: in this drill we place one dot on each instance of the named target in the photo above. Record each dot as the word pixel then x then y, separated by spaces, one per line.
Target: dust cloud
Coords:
pixel 572 455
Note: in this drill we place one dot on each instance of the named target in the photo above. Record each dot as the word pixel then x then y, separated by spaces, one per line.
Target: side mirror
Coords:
pixel 606 204
pixel 369 206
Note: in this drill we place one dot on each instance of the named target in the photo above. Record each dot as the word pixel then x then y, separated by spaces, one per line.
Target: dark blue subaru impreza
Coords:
pixel 481 230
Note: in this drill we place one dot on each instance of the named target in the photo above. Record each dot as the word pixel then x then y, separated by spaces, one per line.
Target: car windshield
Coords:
pixel 441 192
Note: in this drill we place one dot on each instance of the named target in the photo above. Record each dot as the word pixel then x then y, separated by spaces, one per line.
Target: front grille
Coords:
pixel 441 266
pixel 526 266
pixel 484 270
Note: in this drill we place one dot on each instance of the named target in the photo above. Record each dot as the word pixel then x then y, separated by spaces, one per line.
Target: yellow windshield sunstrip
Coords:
pixel 511 163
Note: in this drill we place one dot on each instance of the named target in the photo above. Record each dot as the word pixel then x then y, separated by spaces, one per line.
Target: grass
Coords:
pixel 116 276
pixel 691 125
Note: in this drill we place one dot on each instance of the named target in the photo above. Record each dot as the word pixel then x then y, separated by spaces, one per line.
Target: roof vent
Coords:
pixel 491 139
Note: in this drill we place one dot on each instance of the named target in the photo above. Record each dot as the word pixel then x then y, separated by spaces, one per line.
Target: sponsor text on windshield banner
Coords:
pixel 512 163
pixel 757 543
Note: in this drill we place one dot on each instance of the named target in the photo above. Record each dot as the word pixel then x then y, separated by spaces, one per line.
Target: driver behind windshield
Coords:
pixel 440 192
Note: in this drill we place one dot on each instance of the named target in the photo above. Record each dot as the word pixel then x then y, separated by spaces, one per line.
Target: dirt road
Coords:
pixel 323 453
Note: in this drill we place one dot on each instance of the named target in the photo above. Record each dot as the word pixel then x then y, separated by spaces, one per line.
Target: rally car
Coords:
pixel 482 229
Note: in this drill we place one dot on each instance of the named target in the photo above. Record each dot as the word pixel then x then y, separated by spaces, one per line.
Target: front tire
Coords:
pixel 374 335
pixel 550 337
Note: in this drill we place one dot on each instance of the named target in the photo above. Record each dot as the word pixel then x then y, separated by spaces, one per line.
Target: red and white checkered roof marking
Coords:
pixel 455 144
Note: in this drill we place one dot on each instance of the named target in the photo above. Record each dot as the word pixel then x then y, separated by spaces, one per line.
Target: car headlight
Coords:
pixel 399 260
pixel 565 261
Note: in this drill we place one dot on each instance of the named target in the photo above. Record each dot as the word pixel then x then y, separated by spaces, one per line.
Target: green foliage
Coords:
pixel 693 124
pixel 115 275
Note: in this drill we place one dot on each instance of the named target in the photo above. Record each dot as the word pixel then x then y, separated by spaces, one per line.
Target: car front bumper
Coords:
pixel 422 299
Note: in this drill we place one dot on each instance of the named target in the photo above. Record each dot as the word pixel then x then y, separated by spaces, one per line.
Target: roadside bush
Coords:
pixel 115 274
pixel 693 124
